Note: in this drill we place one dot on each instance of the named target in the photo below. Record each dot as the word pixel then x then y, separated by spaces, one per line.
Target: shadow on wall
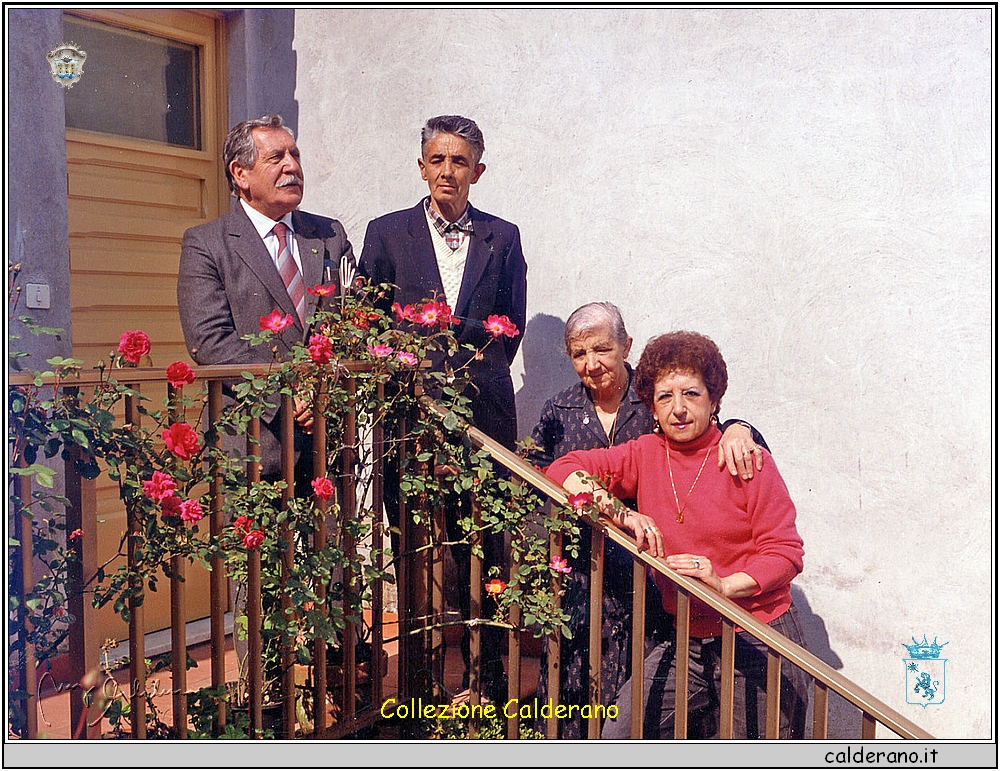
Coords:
pixel 262 65
pixel 547 369
pixel 814 628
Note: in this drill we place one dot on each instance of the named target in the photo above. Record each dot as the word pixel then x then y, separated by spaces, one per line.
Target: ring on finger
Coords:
pixel 697 564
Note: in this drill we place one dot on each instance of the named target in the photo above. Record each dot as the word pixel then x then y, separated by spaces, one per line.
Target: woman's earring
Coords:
pixel 656 426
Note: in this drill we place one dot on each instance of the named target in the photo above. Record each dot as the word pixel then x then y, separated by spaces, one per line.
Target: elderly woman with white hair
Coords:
pixel 603 410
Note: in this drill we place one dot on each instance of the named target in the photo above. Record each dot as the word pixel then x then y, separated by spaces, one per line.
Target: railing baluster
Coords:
pixel 348 514
pixel 24 570
pixel 772 722
pixel 638 647
pixel 255 674
pixel 218 593
pixel 514 668
pixel 596 608
pixel 867 725
pixel 475 612
pixel 178 593
pixel 728 667
pixel 403 565
pixel 319 542
pixel 378 543
pixel 287 561
pixel 436 617
pixel 137 611
pixel 554 645
pixel 178 645
pixel 820 707
pixel 681 664
pixel 254 665
pixel 83 644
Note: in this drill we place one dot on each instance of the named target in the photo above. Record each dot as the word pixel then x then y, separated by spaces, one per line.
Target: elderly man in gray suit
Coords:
pixel 259 257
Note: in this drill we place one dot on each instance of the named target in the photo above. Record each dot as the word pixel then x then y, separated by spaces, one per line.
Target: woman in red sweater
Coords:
pixel 737 536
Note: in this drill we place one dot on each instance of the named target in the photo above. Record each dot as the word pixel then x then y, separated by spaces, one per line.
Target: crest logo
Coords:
pixel 66 61
pixel 924 672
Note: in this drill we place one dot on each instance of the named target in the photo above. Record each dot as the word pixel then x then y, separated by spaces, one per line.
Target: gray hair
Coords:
pixel 465 128
pixel 593 317
pixel 241 148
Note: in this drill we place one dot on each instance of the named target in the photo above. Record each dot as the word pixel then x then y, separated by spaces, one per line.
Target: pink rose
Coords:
pixel 435 312
pixel 500 326
pixel 407 358
pixel 161 486
pixel 182 440
pixel 191 511
pixel 180 374
pixel 253 539
pixel 380 351
pixel 133 346
pixel 320 349
pixel 579 500
pixel 323 488
pixel 275 321
pixel 560 565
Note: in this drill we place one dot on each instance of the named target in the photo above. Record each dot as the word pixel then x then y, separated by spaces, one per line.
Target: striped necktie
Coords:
pixel 290 272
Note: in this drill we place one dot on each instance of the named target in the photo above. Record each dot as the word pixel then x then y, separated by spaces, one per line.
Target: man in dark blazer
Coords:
pixel 229 275
pixel 445 248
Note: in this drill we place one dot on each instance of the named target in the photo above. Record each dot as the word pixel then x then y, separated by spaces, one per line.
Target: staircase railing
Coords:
pixel 825 678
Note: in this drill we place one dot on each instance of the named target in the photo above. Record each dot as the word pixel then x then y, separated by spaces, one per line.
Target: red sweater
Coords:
pixel 739 526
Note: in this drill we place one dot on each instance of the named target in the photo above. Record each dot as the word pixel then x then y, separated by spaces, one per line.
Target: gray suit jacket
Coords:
pixel 227 281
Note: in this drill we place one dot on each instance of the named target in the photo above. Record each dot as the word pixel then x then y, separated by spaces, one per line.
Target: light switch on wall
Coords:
pixel 37 296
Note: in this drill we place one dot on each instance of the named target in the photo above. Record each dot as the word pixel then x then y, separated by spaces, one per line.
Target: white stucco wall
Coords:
pixel 809 187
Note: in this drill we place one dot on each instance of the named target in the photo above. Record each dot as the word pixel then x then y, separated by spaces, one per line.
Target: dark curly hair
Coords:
pixel 681 351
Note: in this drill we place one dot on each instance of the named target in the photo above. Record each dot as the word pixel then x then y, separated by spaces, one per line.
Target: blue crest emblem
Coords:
pixel 924 672
pixel 66 62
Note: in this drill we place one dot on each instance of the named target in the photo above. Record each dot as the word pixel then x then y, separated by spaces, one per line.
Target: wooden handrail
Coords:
pixel 796 654
pixel 155 374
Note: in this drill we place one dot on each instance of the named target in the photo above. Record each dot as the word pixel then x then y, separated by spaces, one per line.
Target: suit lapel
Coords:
pixel 480 249
pixel 247 244
pixel 421 250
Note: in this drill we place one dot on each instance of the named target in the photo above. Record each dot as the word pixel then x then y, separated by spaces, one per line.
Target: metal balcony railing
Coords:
pixel 419 644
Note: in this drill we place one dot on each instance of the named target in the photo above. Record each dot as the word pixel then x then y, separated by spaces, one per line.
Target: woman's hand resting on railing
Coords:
pixel 736 585
pixel 647 534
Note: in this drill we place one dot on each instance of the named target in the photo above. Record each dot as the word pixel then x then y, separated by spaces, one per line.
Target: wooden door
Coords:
pixel 145 126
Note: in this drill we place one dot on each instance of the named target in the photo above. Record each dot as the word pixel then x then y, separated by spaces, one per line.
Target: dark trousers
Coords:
pixel 704 689
pixel 457 507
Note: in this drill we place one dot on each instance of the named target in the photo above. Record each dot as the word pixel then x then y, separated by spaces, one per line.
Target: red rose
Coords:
pixel 191 511
pixel 182 440
pixel 171 506
pixel 404 314
pixel 320 349
pixel 495 587
pixel 253 539
pixel 133 346
pixel 161 486
pixel 242 523
pixel 322 290
pixel 323 488
pixel 180 374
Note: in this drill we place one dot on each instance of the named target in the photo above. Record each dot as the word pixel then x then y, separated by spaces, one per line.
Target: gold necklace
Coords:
pixel 680 509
